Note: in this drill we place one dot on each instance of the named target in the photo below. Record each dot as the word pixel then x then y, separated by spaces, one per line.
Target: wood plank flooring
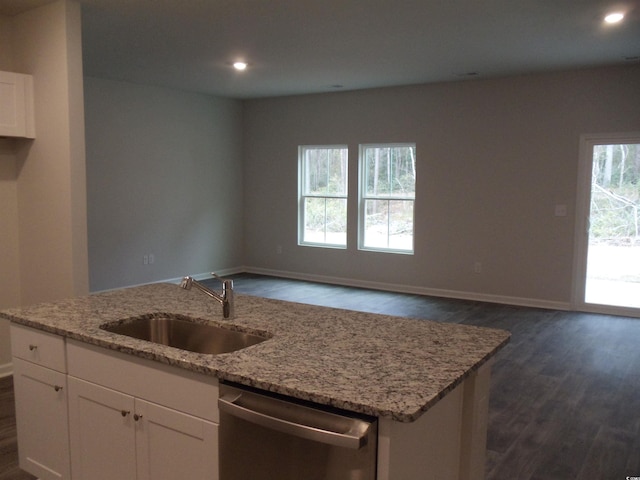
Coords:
pixel 565 395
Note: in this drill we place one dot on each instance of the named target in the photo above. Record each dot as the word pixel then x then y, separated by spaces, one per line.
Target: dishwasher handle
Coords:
pixel 297 420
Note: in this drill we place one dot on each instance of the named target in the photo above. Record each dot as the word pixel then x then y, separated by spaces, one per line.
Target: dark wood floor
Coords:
pixel 565 395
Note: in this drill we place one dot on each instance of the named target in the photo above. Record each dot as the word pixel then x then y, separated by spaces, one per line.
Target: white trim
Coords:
pixel 434 292
pixel 176 280
pixel 609 310
pixel 6 370
pixel 581 234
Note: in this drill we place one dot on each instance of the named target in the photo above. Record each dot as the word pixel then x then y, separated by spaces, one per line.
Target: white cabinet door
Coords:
pixel 172 445
pixel 16 105
pixel 42 421
pixel 101 427
pixel 116 436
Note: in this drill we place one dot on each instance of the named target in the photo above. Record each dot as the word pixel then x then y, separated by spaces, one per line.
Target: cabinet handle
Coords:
pixel 57 388
pixel 136 417
pixel 33 347
pixel 124 413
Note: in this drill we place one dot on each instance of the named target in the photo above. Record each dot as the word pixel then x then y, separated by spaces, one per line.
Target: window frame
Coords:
pixel 363 197
pixel 302 196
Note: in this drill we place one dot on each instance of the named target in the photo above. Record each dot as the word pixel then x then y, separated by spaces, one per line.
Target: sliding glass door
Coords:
pixel 609 243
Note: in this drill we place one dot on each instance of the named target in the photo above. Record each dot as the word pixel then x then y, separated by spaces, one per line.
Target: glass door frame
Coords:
pixel 582 221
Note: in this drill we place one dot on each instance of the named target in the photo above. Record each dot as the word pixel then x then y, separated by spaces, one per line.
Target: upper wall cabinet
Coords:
pixel 16 105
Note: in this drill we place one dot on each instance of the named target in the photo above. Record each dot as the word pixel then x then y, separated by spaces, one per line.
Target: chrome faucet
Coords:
pixel 225 298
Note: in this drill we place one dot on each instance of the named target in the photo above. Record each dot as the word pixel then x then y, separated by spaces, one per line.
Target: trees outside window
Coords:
pixel 323 195
pixel 615 194
pixel 387 196
pixel 612 276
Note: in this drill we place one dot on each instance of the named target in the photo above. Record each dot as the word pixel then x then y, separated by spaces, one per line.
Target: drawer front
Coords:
pixel 38 347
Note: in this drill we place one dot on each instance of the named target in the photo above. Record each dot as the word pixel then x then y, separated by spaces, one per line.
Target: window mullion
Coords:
pixel 325 219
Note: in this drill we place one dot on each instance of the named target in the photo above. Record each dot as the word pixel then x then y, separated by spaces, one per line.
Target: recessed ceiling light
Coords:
pixel 240 65
pixel 614 17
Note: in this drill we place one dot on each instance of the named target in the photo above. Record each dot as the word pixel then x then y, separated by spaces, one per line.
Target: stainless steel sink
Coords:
pixel 184 332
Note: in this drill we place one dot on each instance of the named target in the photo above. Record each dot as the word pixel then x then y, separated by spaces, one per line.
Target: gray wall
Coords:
pixel 494 158
pixel 164 177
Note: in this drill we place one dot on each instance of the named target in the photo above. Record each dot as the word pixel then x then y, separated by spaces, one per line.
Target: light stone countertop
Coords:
pixel 374 364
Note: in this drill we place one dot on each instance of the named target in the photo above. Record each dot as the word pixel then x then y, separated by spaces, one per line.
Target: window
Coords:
pixel 387 195
pixel 322 207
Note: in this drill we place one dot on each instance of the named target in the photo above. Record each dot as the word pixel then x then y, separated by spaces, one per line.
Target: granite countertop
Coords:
pixel 374 364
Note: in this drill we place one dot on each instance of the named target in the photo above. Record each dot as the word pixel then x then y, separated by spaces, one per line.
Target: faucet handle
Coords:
pixel 227 284
pixel 228 304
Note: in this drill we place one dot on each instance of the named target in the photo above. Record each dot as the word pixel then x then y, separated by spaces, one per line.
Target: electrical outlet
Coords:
pixel 152 258
pixel 279 249
pixel 145 259
pixel 477 267
pixel 560 210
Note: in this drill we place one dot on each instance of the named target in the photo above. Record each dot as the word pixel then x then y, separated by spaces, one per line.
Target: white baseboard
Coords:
pixel 6 370
pixel 207 275
pixel 434 292
pixel 609 310
pixel 196 276
pixel 389 287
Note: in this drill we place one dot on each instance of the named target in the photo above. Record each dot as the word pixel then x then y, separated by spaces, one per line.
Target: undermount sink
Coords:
pixel 184 332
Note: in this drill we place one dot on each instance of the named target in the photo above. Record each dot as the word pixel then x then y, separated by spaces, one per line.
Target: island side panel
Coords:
pixel 448 442
pixel 427 449
pixel 475 419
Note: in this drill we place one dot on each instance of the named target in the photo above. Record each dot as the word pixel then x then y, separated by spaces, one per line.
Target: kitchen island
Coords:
pixel 427 382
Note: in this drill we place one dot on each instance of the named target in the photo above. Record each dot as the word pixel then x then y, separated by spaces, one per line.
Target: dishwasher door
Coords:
pixel 268 437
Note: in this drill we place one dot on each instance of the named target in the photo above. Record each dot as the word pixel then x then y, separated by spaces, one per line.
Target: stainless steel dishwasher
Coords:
pixel 264 436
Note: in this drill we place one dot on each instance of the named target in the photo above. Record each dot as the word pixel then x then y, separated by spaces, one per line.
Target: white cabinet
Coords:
pixel 114 435
pixel 139 421
pixel 40 386
pixel 84 412
pixel 102 432
pixel 171 445
pixel 16 105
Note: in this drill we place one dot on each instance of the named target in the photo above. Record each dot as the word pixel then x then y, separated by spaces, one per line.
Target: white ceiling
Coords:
pixel 308 46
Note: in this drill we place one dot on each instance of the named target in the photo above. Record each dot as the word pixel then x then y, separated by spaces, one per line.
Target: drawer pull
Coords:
pixel 124 413
pixel 33 347
pixel 136 417
pixel 57 388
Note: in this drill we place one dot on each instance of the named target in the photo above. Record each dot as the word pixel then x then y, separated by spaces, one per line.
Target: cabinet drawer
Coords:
pixel 38 347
